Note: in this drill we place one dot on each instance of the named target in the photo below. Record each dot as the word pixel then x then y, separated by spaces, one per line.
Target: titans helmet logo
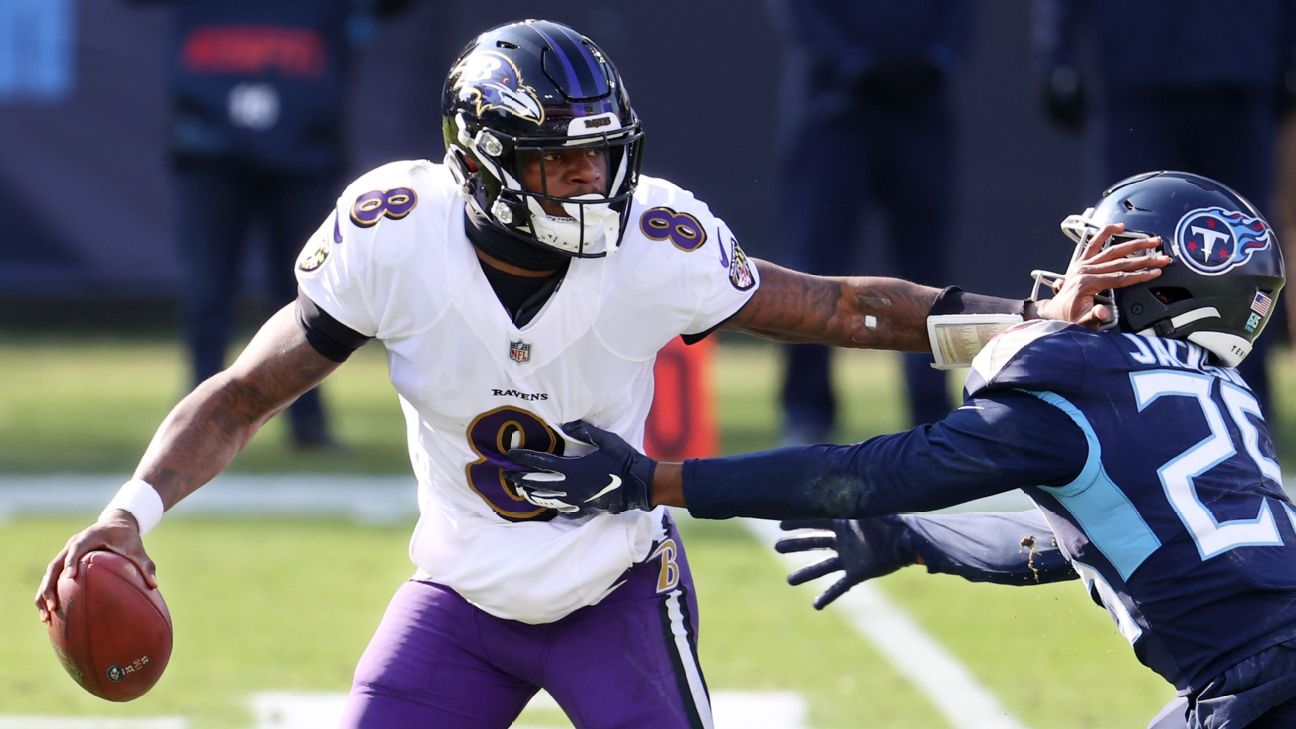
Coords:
pixel 491 81
pixel 1214 241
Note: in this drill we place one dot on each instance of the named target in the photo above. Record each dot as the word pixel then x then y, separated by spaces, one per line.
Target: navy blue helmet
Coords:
pixel 536 86
pixel 1227 271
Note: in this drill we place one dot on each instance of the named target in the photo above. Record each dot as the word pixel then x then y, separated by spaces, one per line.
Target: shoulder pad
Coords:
pixel 1034 355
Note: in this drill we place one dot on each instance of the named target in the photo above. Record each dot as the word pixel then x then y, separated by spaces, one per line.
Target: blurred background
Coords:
pixel 96 290
pixel 83 150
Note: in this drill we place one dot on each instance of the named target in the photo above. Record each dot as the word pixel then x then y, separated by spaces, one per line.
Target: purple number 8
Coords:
pixel 375 205
pixel 491 435
pixel 681 229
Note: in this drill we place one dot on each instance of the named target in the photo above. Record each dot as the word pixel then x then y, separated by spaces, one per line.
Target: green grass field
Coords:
pixel 274 604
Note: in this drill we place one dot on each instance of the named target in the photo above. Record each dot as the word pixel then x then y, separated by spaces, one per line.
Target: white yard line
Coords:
pixel 46 722
pixel 385 498
pixel 733 710
pixel 304 710
pixel 364 498
pixel 964 702
pixel 961 699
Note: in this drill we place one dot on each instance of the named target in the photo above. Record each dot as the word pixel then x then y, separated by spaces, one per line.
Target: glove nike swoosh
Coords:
pixel 613 485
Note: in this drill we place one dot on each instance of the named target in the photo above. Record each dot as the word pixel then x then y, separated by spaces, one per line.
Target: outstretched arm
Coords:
pixel 890 313
pixel 200 437
pixel 845 311
pixel 1002 548
pixel 990 445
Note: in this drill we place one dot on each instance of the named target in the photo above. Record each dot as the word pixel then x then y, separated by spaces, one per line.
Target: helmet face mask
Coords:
pixel 520 93
pixel 1222 285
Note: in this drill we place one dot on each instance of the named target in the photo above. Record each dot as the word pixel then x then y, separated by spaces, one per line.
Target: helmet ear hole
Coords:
pixel 1171 294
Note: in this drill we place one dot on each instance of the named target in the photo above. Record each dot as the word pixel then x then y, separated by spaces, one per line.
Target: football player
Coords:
pixel 1147 457
pixel 527 280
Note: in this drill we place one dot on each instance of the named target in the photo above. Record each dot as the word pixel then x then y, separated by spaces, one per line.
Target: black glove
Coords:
pixel 614 478
pixel 865 548
pixel 1065 100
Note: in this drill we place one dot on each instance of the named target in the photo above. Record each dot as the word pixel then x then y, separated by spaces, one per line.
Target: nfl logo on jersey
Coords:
pixel 520 352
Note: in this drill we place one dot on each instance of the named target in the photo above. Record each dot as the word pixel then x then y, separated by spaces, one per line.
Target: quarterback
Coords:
pixel 527 280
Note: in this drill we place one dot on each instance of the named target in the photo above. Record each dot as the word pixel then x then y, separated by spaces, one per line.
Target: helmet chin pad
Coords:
pixel 1229 349
pixel 589 229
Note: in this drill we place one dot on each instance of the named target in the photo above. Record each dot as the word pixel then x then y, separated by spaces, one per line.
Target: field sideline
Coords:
pixel 253 596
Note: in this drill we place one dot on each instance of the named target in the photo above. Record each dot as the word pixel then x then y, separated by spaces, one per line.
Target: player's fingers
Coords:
pixel 1095 283
pixel 1154 263
pixel 606 440
pixel 1128 248
pixel 147 569
pixel 794 524
pixel 533 479
pixel 1095 244
pixel 533 460
pixel 543 493
pixel 836 590
pixel 788 545
pixel 77 547
pixel 814 571
pixel 46 592
pixel 578 429
pixel 552 503
pixel 1146 263
pixel 1097 316
pixel 133 553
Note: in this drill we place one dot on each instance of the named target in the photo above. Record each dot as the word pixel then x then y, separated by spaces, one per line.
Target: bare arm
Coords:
pixel 846 311
pixel 204 432
pixel 873 312
pixel 199 438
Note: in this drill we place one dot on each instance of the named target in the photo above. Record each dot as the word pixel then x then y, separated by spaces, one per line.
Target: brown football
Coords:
pixel 110 631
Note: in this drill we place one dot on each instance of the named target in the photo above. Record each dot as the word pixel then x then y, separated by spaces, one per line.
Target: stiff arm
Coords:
pixel 873 312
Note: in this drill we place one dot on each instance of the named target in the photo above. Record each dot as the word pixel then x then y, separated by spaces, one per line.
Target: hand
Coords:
pixel 614 478
pixel 1078 296
pixel 116 532
pixel 865 548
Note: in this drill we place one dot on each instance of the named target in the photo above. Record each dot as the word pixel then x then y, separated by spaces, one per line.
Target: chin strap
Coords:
pixel 489 238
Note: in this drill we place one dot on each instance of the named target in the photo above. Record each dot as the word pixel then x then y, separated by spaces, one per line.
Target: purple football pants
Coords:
pixel 630 661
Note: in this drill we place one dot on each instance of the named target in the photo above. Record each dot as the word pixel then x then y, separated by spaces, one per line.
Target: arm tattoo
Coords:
pixel 844 311
pixel 211 425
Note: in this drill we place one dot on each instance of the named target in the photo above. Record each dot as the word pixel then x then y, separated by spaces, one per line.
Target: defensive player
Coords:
pixel 527 281
pixel 1144 451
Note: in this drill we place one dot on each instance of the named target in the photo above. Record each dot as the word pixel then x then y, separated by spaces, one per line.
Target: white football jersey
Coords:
pixel 393 262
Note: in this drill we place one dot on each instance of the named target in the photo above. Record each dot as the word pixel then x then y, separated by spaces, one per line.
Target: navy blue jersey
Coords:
pixel 1177 520
pixel 1154 470
pixel 260 82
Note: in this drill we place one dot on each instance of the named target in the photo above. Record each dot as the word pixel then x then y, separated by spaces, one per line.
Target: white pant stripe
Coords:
pixel 680 631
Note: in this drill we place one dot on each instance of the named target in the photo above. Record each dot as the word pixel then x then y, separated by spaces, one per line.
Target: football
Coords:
pixel 111 632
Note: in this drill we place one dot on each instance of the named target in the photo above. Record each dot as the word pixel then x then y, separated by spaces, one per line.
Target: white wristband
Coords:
pixel 956 338
pixel 141 501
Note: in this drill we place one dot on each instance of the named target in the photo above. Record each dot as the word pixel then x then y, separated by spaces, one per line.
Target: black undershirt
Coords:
pixel 521 296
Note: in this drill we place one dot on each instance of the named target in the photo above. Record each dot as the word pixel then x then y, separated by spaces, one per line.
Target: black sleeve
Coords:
pixel 992 444
pixel 327 335
pixel 954 300
pixel 1003 548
